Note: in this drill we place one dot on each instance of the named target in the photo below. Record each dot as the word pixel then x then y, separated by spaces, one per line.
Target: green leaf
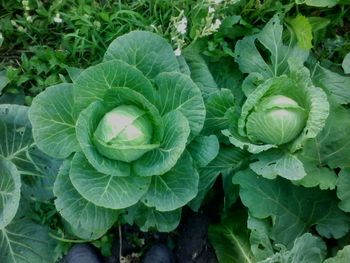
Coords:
pixel 273 163
pixel 148 52
pixel 24 241
pixel 162 159
pixel 335 84
pixel 315 252
pixel 92 84
pixel 148 218
pixel 250 60
pixel 245 144
pixel 343 189
pixel 74 72
pixel 204 149
pixel 10 192
pixel 293 209
pixel 217 105
pixel 77 210
pixel 346 64
pixel 53 122
pixel 3 79
pixel 86 125
pixel 228 159
pixel 303 31
pixel 104 190
pixel 177 91
pixel 175 188
pixel 343 256
pixel 230 239
pixel 200 73
pixel 321 3
pixel 16 145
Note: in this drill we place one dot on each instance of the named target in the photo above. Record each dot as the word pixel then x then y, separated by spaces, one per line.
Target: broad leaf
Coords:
pixel 162 159
pixel 10 192
pixel 148 218
pixel 343 256
pixel 77 210
pixel 175 188
pixel 203 149
pixel 343 189
pixel 148 52
pixel 51 115
pixel 303 31
pixel 93 82
pixel 106 190
pixel 293 209
pixel 346 64
pixel 272 163
pixel 24 241
pixel 178 92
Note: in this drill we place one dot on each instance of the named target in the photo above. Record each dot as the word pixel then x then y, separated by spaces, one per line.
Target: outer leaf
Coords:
pixel 336 85
pixel 51 115
pixel 274 162
pixel 315 252
pixel 250 60
pixel 346 64
pixel 148 52
pixel 24 241
pixel 149 219
pixel 17 146
pixel 204 149
pixel 321 3
pixel 10 192
pixel 244 144
pixel 343 189
pixel 106 190
pixel 229 159
pixel 231 240
pixel 176 91
pixel 162 159
pixel 303 31
pixel 92 83
pixel 217 105
pixel 78 211
pixel 86 126
pixel 174 189
pixel 200 73
pixel 293 209
pixel 3 79
pixel 343 256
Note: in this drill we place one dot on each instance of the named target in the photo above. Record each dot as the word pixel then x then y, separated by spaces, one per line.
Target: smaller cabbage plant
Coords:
pixel 282 108
pixel 129 131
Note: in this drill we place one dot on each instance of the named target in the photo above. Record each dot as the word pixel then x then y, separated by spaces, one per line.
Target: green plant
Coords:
pixel 129 131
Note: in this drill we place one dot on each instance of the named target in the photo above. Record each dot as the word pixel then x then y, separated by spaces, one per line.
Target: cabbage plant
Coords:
pixel 129 131
pixel 282 108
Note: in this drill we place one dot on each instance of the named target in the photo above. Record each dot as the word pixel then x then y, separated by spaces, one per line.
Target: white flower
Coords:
pixel 177 52
pixel 217 1
pixel 182 26
pixel 57 18
pixel 216 25
pixel 29 19
pixel 211 10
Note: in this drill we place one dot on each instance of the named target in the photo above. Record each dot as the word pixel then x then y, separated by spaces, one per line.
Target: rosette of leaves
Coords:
pixel 26 176
pixel 282 109
pixel 129 131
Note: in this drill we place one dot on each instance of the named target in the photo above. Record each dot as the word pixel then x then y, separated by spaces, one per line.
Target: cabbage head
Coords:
pixel 129 131
pixel 281 107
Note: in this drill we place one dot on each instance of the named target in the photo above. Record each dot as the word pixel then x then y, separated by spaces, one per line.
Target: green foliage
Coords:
pixel 132 125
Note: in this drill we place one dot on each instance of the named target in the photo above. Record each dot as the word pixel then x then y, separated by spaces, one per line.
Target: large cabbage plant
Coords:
pixel 129 131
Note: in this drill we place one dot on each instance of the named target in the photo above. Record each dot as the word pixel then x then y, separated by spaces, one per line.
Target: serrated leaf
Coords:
pixel 293 209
